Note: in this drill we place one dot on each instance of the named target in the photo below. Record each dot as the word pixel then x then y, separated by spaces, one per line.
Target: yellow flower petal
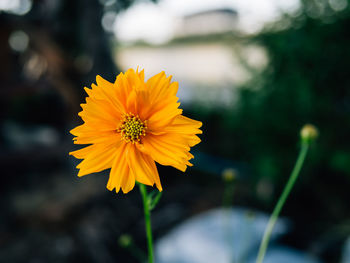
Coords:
pixel 119 170
pixel 143 168
pixel 98 160
pixel 166 149
pixel 186 128
pixel 129 125
pixel 90 137
pixel 160 87
pixel 128 182
pixel 106 91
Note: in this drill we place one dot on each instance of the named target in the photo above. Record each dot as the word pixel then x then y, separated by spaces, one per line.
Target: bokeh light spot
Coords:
pixel 338 5
pixel 18 41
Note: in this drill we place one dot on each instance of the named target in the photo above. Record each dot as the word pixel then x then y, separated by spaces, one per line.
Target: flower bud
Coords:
pixel 308 133
pixel 229 175
pixel 125 240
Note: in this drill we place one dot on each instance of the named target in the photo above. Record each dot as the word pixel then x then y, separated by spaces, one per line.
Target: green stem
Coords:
pixel 146 209
pixel 228 194
pixel 281 201
pixel 226 204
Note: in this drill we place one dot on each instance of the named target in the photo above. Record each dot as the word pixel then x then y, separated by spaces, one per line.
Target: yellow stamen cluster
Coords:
pixel 132 128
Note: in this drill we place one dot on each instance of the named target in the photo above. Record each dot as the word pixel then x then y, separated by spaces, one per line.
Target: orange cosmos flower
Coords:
pixel 130 124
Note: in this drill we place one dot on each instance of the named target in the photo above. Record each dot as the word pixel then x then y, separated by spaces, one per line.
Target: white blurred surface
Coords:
pixel 219 235
pixel 225 236
pixel 346 252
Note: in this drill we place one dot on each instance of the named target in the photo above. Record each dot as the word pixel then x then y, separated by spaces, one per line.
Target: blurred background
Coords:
pixel 254 72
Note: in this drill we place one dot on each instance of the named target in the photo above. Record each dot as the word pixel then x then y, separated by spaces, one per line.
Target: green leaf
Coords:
pixel 155 200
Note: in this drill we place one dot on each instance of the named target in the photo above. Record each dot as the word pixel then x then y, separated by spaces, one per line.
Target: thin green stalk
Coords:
pixel 146 209
pixel 227 203
pixel 228 194
pixel 274 216
pixel 126 242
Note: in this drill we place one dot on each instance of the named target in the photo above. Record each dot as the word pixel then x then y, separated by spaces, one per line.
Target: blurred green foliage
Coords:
pixel 306 81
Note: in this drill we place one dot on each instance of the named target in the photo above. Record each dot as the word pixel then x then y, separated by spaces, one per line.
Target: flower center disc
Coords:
pixel 132 128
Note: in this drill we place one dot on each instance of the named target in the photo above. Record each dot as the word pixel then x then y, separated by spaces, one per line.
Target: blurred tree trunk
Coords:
pixel 79 31
pixel 68 40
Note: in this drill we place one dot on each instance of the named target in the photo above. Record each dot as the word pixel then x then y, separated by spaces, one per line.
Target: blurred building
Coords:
pixel 207 56
pixel 207 23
